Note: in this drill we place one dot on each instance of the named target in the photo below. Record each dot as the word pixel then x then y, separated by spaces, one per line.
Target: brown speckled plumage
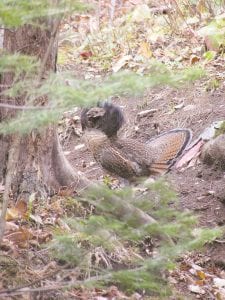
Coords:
pixel 129 158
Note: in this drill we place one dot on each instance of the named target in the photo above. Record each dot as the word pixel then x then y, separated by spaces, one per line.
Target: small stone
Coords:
pixel 149 181
pixel 145 113
pixel 218 282
pixel 67 152
pixel 196 289
pixel 189 107
pixel 211 193
pixel 179 106
pixel 78 147
pixel 196 267
pixel 136 128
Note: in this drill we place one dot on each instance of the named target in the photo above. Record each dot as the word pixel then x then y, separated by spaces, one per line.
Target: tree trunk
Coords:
pixel 34 163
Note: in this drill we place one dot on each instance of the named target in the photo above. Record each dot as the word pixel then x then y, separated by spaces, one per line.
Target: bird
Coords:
pixel 126 157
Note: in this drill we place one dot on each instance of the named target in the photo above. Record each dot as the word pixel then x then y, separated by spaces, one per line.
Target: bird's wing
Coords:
pixel 168 147
pixel 114 161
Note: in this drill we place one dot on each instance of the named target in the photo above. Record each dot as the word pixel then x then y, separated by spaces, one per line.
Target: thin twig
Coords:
pixel 58 286
pixel 67 285
pixel 12 290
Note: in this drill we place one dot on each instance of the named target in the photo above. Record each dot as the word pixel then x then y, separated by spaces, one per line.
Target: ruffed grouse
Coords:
pixel 125 157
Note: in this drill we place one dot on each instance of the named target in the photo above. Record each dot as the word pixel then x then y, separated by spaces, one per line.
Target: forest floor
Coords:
pixel 200 187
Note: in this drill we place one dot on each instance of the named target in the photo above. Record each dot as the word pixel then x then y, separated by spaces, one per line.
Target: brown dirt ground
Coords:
pixel 200 186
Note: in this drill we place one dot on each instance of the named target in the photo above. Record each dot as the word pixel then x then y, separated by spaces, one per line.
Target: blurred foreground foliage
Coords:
pixel 114 237
pixel 111 237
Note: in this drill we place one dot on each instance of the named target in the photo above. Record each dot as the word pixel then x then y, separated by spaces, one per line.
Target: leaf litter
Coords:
pixel 89 42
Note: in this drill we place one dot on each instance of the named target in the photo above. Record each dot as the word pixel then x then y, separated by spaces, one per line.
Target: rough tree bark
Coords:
pixel 34 163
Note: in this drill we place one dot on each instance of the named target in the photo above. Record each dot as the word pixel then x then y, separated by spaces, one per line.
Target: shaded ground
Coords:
pixel 200 187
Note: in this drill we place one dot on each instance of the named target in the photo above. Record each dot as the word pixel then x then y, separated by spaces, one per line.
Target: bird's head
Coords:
pixel 106 117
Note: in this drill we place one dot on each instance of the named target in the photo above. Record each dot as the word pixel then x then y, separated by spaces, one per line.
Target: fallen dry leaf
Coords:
pixel 10 226
pixel 86 54
pixel 16 212
pixel 37 219
pixel 194 59
pixel 121 63
pixel 56 207
pixel 201 275
pixel 20 237
pixel 65 191
pixel 44 237
pixel 145 50
pixel 199 282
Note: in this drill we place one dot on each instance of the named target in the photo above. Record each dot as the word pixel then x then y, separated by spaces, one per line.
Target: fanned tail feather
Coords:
pixel 169 146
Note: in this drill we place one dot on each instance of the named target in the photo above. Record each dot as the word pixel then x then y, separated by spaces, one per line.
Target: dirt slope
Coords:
pixel 199 187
